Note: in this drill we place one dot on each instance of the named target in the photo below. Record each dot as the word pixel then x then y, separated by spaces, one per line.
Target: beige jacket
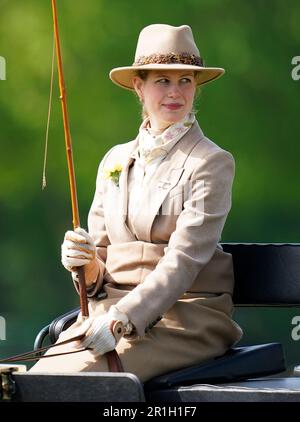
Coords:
pixel 174 251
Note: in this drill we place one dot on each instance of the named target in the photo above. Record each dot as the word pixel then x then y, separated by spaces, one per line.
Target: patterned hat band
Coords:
pixel 171 58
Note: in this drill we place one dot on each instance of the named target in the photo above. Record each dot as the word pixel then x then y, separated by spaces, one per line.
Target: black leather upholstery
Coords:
pixel 238 363
pixel 265 274
pixel 61 323
pixel 53 330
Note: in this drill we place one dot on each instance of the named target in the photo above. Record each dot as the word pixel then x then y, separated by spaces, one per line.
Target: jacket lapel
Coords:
pixel 124 187
pixel 117 199
pixel 164 179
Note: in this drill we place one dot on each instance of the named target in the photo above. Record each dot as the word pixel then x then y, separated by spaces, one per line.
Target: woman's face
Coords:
pixel 167 95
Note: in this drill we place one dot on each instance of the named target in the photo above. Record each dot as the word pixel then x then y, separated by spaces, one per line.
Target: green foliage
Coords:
pixel 252 111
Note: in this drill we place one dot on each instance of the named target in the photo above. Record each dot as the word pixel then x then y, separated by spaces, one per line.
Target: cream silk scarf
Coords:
pixel 152 146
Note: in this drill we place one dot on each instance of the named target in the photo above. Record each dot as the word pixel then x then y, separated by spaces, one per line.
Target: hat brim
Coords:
pixel 122 76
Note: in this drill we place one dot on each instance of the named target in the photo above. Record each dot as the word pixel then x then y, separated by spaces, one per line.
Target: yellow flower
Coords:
pixel 113 173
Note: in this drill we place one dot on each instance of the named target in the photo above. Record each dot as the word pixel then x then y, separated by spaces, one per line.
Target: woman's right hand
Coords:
pixel 78 249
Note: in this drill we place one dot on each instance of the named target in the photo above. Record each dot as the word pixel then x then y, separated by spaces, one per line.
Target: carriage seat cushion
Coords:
pixel 237 364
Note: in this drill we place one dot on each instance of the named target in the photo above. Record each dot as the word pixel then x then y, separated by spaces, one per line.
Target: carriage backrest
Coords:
pixel 266 274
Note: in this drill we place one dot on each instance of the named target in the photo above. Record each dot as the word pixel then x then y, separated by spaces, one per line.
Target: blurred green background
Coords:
pixel 253 111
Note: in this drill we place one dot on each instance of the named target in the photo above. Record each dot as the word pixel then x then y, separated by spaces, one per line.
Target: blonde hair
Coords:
pixel 143 74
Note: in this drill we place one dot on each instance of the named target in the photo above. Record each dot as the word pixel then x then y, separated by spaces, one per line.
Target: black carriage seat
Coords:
pixel 265 275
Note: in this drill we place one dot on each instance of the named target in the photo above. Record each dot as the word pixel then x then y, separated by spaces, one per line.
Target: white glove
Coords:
pixel 99 337
pixel 77 249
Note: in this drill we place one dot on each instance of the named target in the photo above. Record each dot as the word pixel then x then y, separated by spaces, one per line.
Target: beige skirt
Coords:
pixel 192 331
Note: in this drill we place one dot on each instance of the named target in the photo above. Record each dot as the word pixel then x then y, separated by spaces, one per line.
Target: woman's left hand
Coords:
pixel 100 334
pixel 99 337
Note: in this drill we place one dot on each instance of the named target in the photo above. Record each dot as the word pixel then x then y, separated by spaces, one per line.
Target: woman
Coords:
pixel 155 224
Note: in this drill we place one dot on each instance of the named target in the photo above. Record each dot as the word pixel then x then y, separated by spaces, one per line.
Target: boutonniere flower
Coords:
pixel 113 173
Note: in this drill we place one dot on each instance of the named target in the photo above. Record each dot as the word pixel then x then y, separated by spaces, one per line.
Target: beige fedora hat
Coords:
pixel 165 47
